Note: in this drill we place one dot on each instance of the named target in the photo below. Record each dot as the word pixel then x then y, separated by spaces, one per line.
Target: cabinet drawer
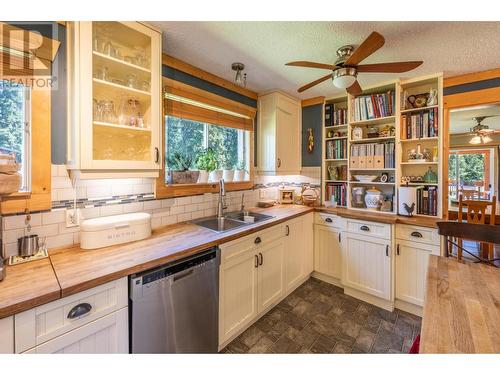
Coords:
pixel 417 234
pixel 237 247
pixel 369 228
pixel 107 335
pixel 43 323
pixel 329 220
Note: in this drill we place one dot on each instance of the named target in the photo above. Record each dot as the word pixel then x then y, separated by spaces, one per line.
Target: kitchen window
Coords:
pixel 206 137
pixel 192 138
pixel 15 124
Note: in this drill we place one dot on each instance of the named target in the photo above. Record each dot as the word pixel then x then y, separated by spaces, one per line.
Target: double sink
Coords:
pixel 231 220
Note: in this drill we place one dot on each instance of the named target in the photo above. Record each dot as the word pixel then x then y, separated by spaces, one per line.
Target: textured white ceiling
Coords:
pixel 461 121
pixel 264 47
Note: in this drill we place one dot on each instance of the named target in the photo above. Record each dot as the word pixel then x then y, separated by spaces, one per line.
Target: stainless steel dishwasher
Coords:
pixel 174 308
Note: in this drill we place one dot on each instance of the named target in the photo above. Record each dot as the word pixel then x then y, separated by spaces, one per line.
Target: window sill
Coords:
pixel 182 190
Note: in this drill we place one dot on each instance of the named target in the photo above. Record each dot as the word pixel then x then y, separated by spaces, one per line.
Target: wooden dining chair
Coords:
pixel 469 194
pixel 475 213
pixel 452 230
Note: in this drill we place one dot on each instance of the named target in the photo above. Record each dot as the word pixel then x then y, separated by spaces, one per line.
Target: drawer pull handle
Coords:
pixel 79 310
pixel 364 228
pixel 397 249
pixel 157 155
pixel 340 238
pixel 387 250
pixel 287 230
pixel 416 234
pixel 329 220
pixel 256 261
pixel 261 262
pixel 258 240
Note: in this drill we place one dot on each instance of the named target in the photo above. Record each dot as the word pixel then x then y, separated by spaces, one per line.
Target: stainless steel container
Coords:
pixel 28 245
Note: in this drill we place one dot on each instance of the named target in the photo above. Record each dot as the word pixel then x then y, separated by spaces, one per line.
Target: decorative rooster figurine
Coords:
pixel 409 209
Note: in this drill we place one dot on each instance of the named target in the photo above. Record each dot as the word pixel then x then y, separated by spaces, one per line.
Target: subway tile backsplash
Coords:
pixel 97 198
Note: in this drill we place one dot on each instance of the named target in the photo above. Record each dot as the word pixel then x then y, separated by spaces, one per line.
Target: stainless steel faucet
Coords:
pixel 222 193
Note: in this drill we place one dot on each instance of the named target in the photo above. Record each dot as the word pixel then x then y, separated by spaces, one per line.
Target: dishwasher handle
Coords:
pixel 181 275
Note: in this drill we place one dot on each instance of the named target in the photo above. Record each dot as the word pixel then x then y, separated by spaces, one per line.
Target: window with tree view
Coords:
pixel 187 144
pixel 14 127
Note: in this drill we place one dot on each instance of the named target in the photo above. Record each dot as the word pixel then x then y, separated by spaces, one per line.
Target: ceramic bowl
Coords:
pixel 365 178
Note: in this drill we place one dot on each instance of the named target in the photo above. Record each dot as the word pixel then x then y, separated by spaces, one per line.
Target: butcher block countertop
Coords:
pixel 429 222
pixel 28 285
pixel 462 308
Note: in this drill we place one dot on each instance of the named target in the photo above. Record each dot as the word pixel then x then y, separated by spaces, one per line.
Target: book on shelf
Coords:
pixel 372 156
pixel 424 124
pixel 337 191
pixel 367 107
pixel 427 200
pixel 335 116
pixel 336 149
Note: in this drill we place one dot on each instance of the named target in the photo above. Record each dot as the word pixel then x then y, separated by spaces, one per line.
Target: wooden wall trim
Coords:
pixel 312 101
pixel 206 76
pixel 471 77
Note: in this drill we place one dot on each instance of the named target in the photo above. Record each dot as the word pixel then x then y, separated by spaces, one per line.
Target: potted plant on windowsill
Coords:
pixel 228 172
pixel 206 163
pixel 240 172
pixel 179 169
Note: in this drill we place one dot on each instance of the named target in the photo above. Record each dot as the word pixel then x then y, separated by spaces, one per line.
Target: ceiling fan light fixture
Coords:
pixel 476 140
pixel 344 77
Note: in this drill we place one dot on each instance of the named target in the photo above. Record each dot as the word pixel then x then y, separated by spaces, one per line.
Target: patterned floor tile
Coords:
pixel 318 318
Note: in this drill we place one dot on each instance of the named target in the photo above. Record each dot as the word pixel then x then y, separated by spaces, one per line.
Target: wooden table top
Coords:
pixel 429 222
pixel 461 308
pixel 78 269
pixel 28 285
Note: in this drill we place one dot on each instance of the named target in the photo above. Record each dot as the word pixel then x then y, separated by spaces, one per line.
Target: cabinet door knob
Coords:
pixel 279 162
pixel 287 230
pixel 157 155
pixel 261 262
pixel 416 234
pixel 257 241
pixel 329 220
pixel 397 249
pixel 79 310
pixel 364 228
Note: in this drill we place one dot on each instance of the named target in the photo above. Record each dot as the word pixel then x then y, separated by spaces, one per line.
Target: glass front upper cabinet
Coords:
pixel 118 83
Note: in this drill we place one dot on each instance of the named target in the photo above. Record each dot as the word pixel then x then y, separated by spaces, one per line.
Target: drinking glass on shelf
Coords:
pixel 97 43
pixel 102 73
pixel 132 81
pixel 144 86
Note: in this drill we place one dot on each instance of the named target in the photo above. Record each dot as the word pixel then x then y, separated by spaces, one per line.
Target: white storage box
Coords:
pixel 113 230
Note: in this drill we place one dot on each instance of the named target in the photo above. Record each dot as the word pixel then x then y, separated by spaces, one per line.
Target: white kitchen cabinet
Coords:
pixel 278 134
pixel 237 289
pixel 367 265
pixel 298 251
pixel 270 273
pixel 107 335
pixel 7 335
pixel 328 251
pixel 115 105
pixel 411 270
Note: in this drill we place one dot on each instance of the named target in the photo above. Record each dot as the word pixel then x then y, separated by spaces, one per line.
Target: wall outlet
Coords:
pixel 72 220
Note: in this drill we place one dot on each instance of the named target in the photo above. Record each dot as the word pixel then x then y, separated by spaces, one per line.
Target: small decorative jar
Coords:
pixel 357 133
pixel 373 199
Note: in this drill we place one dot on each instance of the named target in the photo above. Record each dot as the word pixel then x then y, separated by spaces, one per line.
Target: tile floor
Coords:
pixel 319 318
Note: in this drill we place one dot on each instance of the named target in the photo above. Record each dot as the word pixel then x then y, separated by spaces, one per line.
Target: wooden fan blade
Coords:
pixel 311 64
pixel 354 89
pixel 369 45
pixel 314 83
pixel 394 67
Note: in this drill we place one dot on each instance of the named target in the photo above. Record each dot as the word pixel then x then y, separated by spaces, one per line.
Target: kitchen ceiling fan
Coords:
pixel 345 70
pixel 481 133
